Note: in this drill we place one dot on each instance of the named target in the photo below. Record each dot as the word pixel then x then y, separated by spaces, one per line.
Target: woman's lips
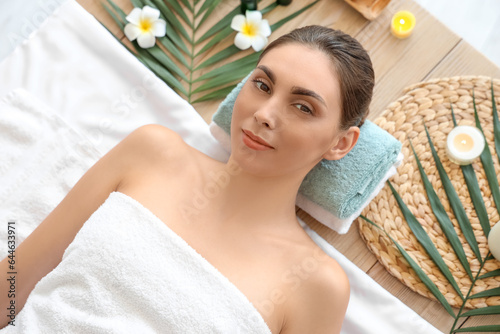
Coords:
pixel 254 142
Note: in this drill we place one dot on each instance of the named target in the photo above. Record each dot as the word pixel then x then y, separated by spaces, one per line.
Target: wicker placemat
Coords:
pixel 429 102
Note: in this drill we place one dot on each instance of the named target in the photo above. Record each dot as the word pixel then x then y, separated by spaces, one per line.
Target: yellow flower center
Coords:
pixel 145 25
pixel 249 29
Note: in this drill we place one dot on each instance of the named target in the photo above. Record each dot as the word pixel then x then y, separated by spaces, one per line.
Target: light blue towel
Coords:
pixel 341 187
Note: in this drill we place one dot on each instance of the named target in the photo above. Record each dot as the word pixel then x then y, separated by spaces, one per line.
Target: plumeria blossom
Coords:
pixel 144 25
pixel 252 30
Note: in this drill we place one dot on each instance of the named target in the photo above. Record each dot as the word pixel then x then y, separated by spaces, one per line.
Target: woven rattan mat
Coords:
pixel 429 102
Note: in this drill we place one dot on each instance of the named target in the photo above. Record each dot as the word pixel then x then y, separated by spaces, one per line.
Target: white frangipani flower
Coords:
pixel 144 25
pixel 252 30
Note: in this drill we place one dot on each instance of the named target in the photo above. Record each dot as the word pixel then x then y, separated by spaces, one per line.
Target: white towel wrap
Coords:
pixel 127 272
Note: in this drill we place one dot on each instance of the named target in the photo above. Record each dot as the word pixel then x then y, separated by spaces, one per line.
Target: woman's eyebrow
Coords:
pixel 268 72
pixel 307 92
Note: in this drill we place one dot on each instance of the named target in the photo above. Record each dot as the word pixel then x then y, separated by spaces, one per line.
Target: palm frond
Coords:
pixel 474 190
pixel 482 311
pixel 479 329
pixel 487 293
pixel 425 240
pixel 449 231
pixel 487 161
pixel 172 59
pixel 496 123
pixel 420 273
pixel 440 212
pixel 493 273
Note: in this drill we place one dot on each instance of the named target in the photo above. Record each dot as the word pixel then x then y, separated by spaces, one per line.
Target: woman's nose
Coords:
pixel 267 116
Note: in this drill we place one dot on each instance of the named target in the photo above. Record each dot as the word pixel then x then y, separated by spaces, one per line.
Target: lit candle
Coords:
pixel 464 144
pixel 494 241
pixel 402 24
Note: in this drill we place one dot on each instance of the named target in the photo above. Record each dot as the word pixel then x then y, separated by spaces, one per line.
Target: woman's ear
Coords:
pixel 344 145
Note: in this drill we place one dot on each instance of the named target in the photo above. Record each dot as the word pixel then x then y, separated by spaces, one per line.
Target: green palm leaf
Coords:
pixel 220 80
pixel 478 329
pixel 496 123
pixel 167 43
pixel 117 10
pixel 162 73
pixel 456 206
pixel 487 293
pixel 113 16
pixel 137 3
pixel 166 62
pixel 487 162
pixel 247 62
pixel 493 273
pixel 218 94
pixel 224 33
pixel 209 9
pixel 179 11
pixel 425 241
pixel 174 61
pixel 221 55
pixel 225 22
pixel 438 208
pixel 420 273
pixel 171 19
pixel 188 5
pixel 449 231
pixel 482 311
pixel 474 190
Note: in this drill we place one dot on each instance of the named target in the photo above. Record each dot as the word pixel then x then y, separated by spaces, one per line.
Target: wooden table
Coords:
pixel 433 51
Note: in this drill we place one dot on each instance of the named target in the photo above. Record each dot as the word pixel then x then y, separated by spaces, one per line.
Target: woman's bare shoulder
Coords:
pixel 319 305
pixel 156 146
pixel 156 140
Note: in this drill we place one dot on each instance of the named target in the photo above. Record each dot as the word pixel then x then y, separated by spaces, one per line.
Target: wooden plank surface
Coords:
pixel 432 51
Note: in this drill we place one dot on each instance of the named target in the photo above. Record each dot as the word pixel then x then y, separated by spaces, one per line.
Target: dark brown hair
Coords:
pixel 351 62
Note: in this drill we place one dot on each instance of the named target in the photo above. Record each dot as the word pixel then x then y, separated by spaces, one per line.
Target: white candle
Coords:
pixel 494 241
pixel 464 144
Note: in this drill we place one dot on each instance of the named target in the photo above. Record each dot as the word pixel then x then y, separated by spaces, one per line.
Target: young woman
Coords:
pixel 304 102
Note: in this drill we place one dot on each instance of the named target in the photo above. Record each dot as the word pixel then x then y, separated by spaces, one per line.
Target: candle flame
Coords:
pixel 463 142
pixel 402 21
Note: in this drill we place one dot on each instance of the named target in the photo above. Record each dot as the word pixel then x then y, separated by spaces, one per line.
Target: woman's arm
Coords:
pixel 42 251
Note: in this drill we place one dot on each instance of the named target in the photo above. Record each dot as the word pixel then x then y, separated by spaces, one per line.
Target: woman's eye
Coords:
pixel 303 108
pixel 262 86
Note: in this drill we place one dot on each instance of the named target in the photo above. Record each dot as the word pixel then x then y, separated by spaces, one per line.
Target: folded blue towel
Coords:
pixel 341 187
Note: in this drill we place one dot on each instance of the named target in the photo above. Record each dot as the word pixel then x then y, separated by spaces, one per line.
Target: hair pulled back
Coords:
pixel 351 63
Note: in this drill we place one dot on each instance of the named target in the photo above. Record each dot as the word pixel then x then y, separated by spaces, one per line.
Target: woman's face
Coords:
pixel 287 115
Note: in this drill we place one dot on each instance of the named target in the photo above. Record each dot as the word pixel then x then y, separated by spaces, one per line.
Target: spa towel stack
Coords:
pixel 334 192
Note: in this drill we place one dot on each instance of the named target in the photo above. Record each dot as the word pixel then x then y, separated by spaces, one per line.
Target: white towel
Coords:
pixel 127 272
pixel 41 158
pixel 110 73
